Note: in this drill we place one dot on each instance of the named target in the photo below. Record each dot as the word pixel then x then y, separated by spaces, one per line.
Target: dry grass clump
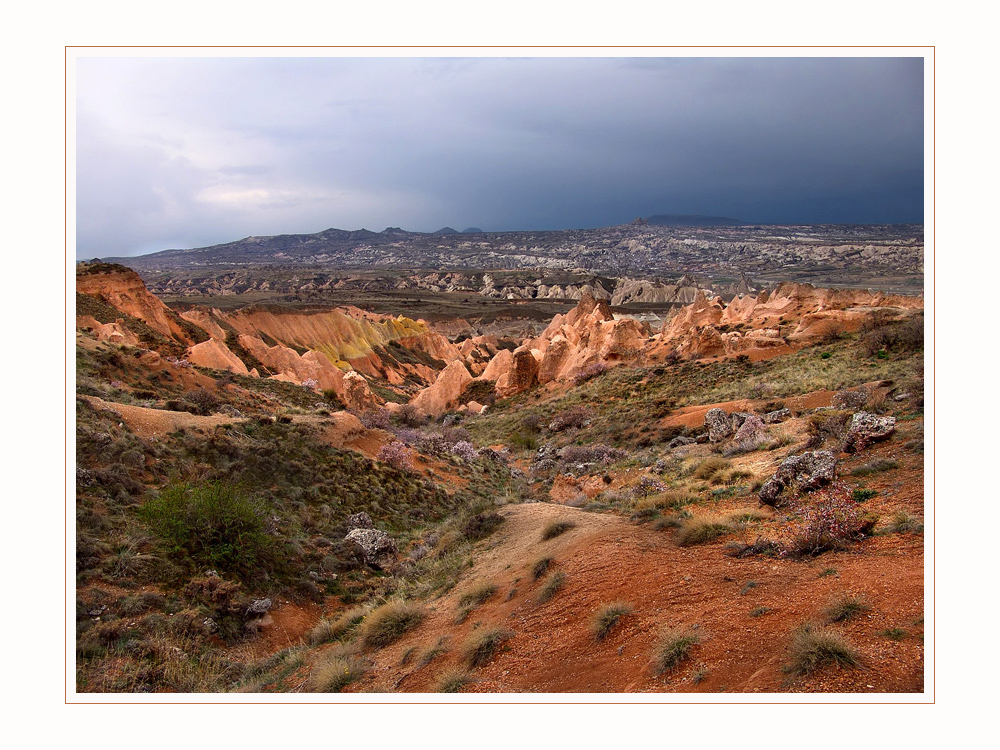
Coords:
pixel 337 669
pixel 389 623
pixel 482 525
pixel 326 631
pixel 483 645
pixel 750 515
pixel 814 646
pixel 712 467
pixel 876 466
pixel 556 528
pixel 701 530
pixel 453 680
pixel 847 608
pixel 553 584
pixel 477 595
pixel 474 598
pixel 673 498
pixel 672 647
pixel 438 649
pixel 607 616
pixel 541 566
pixel 903 523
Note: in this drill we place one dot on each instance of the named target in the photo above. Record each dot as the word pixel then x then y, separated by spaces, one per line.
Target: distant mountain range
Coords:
pixel 693 220
pixel 832 254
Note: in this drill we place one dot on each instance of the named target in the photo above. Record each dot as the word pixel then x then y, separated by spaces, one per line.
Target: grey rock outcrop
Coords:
pixel 359 521
pixel 779 415
pixel 719 425
pixel 751 433
pixel 850 399
pixel 805 472
pixel 259 606
pixel 378 547
pixel 678 441
pixel 866 428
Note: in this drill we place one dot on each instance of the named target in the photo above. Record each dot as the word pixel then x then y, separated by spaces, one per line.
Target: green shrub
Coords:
pixel 860 496
pixel 607 616
pixel 672 647
pixel 388 623
pixel 814 646
pixel 216 525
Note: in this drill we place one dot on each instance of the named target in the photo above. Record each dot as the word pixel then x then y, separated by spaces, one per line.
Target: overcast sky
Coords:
pixel 188 152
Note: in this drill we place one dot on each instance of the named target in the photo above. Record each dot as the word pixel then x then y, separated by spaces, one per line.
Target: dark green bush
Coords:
pixel 216 525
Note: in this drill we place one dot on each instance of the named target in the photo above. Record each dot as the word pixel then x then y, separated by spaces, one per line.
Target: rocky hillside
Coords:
pixel 829 254
pixel 591 338
pixel 732 502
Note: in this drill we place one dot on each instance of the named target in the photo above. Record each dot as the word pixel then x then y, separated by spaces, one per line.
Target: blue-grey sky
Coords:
pixel 188 152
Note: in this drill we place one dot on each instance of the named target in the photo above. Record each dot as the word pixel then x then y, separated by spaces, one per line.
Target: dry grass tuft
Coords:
pixel 674 498
pixel 337 669
pixel 553 584
pixel 701 530
pixel 483 645
pixel 453 680
pixel 556 528
pixel 607 616
pixel 389 623
pixel 672 647
pixel 814 646
pixel 847 608
pixel 541 566
pixel 327 631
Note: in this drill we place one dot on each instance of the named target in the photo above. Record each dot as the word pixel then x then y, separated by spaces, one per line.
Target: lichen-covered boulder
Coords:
pixel 850 399
pixel 378 547
pixel 751 433
pixel 259 607
pixel 805 472
pixel 778 415
pixel 866 428
pixel 359 521
pixel 719 425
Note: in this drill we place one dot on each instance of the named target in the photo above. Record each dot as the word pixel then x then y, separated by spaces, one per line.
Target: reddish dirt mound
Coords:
pixel 147 423
pixel 606 558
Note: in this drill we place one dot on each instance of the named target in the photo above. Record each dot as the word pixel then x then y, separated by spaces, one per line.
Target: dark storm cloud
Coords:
pixel 190 152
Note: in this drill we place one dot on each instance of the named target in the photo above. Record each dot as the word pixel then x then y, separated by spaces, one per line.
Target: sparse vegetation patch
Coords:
pixel 390 622
pixel 484 644
pixel 606 617
pixel 814 646
pixel 673 646
pixel 557 528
